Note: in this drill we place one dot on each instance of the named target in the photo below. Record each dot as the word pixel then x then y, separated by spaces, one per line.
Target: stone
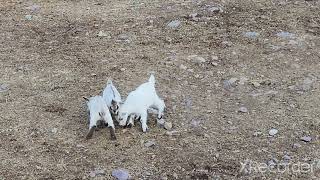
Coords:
pixel 97 172
pixel 150 143
pixel 161 123
pixel 252 35
pixel 296 145
pixel 286 35
pixel 172 133
pixel 197 59
pixel 174 24
pixel 306 138
pixel 273 132
pixel 168 126
pixel 3 88
pixel 243 109
pixel 54 130
pixel 120 174
pixel 183 67
pixel 103 34
pixel 29 17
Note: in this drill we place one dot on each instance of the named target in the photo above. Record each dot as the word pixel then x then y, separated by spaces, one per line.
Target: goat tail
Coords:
pixel 152 79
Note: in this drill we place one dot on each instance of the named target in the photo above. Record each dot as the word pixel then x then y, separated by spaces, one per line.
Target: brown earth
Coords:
pixel 49 60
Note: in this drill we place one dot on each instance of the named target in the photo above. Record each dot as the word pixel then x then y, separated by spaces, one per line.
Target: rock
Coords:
pixel 251 35
pixel 34 7
pixel 122 69
pixel 243 109
pixel 272 163
pixel 307 84
pixel 197 59
pixel 215 9
pixel 174 24
pixel 161 123
pixel 150 143
pixel 306 138
pixel 168 126
pixel 233 80
pixel 194 16
pixel 3 88
pixel 121 174
pixel 172 133
pixel 103 34
pixel 123 37
pixel 296 145
pixel 286 157
pixel 273 132
pixel 257 133
pixel 286 35
pixel 195 123
pixel 183 67
pixel 255 84
pixel 29 17
pixel 97 172
pixel 175 175
pixel 243 80
pixel 54 130
pixel 214 58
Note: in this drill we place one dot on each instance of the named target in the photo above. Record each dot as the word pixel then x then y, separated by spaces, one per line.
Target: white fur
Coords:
pixel 138 102
pixel 110 93
pixel 99 111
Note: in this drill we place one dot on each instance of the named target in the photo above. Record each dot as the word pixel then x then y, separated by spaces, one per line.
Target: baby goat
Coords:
pixel 98 110
pixel 113 98
pixel 138 102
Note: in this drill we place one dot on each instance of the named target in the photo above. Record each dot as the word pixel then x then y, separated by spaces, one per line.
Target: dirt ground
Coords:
pixel 259 57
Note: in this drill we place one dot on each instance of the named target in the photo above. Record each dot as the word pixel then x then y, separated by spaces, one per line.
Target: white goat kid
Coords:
pixel 98 111
pixel 113 99
pixel 138 102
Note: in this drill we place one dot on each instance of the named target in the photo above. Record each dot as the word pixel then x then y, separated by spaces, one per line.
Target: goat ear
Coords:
pixel 85 98
pixel 113 102
pixel 100 114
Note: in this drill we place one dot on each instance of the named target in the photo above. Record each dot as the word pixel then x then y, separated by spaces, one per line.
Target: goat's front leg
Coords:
pixel 131 121
pixel 143 120
pixel 108 119
pixel 123 122
pixel 92 127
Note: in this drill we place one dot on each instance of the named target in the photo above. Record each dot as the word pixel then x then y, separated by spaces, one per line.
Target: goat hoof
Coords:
pixel 113 138
pixel 129 125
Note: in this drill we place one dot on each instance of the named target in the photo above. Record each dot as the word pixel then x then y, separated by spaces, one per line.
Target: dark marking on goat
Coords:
pixel 129 125
pixel 90 133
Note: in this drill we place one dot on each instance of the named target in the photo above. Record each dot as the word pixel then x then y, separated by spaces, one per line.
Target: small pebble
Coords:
pixel 273 132
pixel 243 109
pixel 161 123
pixel 196 59
pixel 97 172
pixel 120 174
pixel 168 126
pixel 3 88
pixel 183 67
pixel 150 143
pixel 306 138
pixel 29 17
pixel 174 24
pixel 296 145
pixel 172 133
pixel 103 34
pixel 54 130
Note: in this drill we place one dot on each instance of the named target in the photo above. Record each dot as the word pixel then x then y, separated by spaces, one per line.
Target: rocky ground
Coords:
pixel 240 80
